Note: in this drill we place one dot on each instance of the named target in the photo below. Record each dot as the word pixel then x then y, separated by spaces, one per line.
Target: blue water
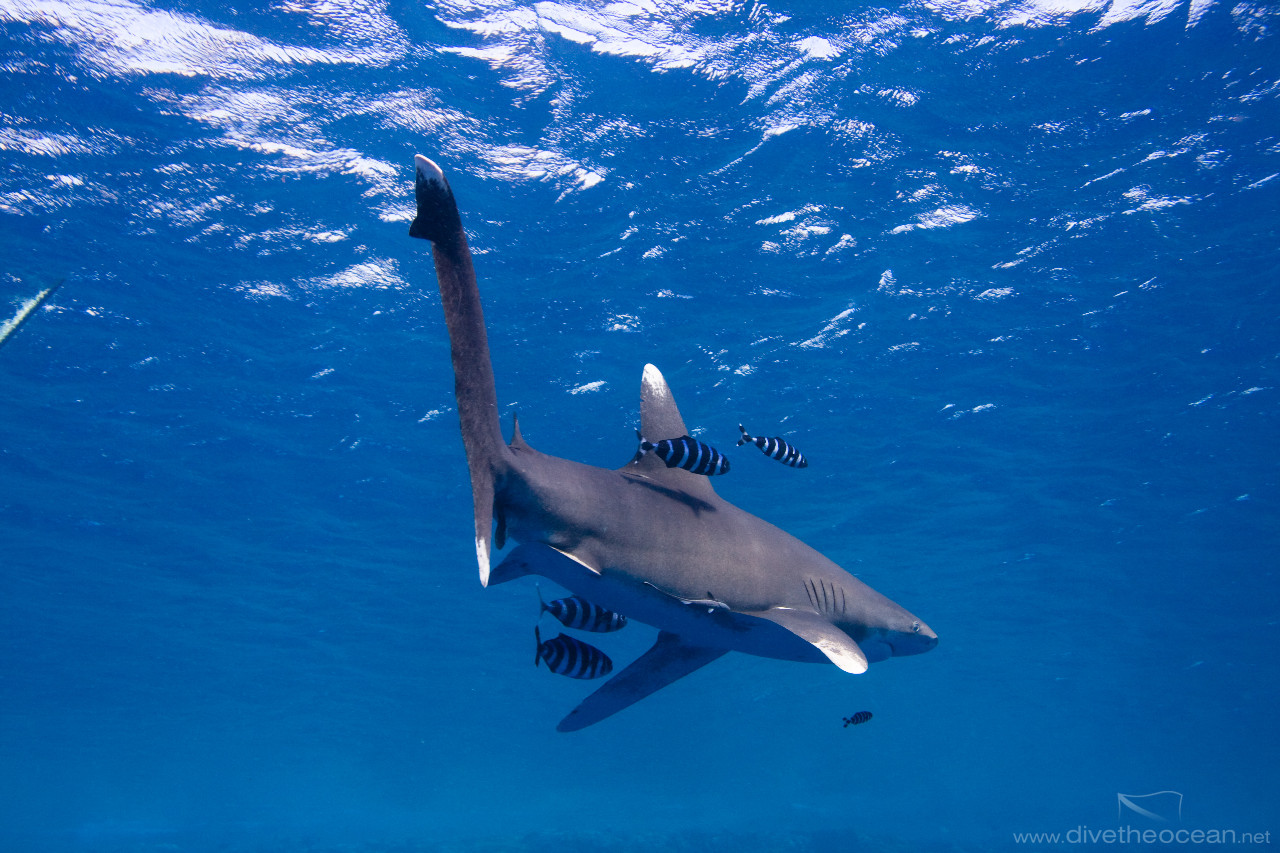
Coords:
pixel 1005 272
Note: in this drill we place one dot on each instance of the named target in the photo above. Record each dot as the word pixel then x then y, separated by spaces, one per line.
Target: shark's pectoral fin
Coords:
pixel 815 629
pixel 669 659
pixel 537 558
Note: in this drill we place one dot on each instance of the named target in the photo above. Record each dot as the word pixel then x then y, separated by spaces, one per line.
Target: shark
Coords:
pixel 653 543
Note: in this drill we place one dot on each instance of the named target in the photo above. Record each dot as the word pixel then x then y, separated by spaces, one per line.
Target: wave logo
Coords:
pixel 1162 805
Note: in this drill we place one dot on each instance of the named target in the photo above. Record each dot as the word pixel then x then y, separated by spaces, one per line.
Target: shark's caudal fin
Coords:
pixel 669 659
pixel 439 222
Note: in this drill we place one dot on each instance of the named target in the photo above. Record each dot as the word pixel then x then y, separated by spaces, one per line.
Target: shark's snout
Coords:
pixel 916 638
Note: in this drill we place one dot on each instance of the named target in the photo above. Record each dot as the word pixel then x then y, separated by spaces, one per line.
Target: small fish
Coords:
pixel 775 448
pixel 857 719
pixel 577 612
pixel 685 452
pixel 574 658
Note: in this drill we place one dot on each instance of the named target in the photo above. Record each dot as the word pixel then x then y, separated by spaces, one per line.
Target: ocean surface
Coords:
pixel 1006 272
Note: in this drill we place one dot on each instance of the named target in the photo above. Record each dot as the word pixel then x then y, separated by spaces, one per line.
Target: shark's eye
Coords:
pixel 915 627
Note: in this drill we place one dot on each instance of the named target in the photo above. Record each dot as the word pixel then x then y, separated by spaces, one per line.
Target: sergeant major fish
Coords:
pixel 566 656
pixel 775 448
pixel 685 452
pixel 577 612
pixel 857 719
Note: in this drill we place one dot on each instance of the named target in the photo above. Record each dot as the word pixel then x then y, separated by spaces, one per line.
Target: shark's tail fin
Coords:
pixel 439 222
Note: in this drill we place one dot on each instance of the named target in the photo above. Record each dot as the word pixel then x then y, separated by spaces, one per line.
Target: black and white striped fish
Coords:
pixel 775 448
pixel 685 452
pixel 857 719
pixel 574 658
pixel 577 612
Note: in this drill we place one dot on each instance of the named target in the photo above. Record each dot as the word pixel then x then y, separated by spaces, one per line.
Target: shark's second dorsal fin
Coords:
pixel 660 418
pixel 517 440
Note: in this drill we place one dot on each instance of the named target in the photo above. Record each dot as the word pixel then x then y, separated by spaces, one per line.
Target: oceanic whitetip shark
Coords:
pixel 652 543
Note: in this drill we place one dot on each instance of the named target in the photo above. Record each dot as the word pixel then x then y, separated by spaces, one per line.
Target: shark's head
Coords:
pixel 881 628
pixel 888 630
pixel 903 634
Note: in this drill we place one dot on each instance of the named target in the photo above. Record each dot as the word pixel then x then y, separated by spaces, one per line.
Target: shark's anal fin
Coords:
pixel 437 220
pixel 838 646
pixel 668 660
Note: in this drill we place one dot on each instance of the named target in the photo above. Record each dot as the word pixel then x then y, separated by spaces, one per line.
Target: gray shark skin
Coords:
pixel 655 544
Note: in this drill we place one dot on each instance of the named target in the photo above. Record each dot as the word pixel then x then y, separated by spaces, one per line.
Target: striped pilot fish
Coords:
pixel 566 656
pixel 577 612
pixel 775 448
pixel 685 452
pixel 857 719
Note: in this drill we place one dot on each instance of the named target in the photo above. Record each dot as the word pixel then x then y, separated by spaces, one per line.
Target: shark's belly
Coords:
pixel 696 623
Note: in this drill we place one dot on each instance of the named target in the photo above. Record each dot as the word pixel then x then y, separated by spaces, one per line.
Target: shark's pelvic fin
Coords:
pixel 510 569
pixel 487 454
pixel 581 562
pixel 669 659
pixel 838 646
pixel 535 558
pixel 518 564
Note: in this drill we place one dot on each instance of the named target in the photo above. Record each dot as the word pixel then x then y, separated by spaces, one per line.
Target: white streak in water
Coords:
pixel 24 311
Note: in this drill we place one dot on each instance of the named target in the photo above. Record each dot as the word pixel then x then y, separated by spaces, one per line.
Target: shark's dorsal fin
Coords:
pixel 660 418
pixel 668 660
pixel 838 646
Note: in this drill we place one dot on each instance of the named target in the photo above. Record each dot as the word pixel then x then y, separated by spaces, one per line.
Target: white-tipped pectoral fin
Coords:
pixel 838 646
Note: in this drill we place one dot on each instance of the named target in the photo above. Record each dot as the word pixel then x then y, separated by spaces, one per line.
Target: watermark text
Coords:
pixel 1136 835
